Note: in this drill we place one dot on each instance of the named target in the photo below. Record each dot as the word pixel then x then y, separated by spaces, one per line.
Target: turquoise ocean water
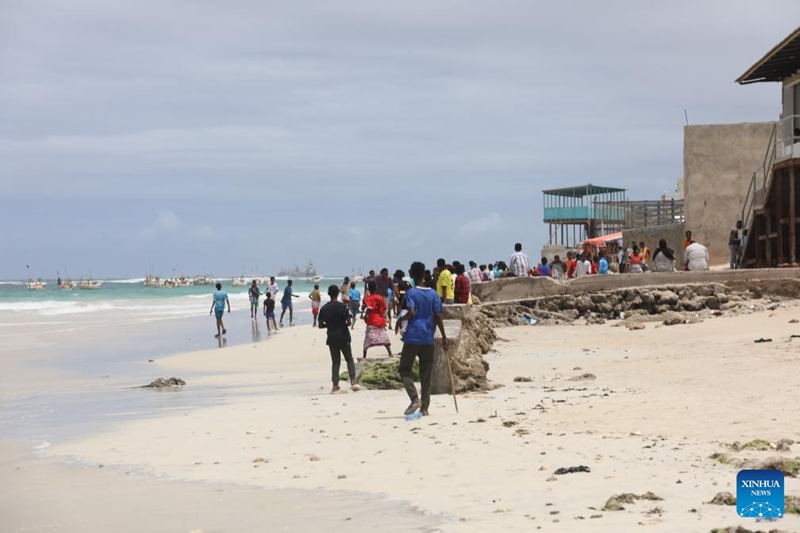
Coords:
pixel 104 339
pixel 132 297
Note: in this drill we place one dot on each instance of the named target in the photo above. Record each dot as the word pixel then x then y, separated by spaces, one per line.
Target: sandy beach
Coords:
pixel 664 399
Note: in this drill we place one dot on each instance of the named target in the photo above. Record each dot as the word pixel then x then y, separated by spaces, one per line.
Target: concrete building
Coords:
pixel 718 164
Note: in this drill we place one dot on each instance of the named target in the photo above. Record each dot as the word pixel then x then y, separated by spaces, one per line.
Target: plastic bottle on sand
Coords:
pixel 414 416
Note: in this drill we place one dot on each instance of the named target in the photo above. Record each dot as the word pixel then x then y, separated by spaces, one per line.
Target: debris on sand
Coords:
pixel 740 529
pixel 634 325
pixel 723 498
pixel 615 502
pixel 164 382
pixel 763 445
pixel 789 467
pixel 572 470
pixel 523 379
pixel 588 376
pixel 791 505
pixel 674 321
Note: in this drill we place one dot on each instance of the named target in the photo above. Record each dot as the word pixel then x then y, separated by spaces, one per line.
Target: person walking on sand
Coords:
pixel 383 284
pixel 273 289
pixel 315 303
pixel 218 302
pixel 375 309
pixel 355 303
pixel 253 294
pixel 335 318
pixel 286 302
pixel 269 312
pixel 424 313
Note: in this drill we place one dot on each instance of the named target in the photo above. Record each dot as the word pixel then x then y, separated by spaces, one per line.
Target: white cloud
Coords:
pixel 490 223
pixel 167 220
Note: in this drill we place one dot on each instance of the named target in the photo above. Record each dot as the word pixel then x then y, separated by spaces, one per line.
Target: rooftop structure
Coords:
pixel 574 214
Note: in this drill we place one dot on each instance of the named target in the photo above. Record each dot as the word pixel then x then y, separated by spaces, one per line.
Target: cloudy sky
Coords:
pixel 250 134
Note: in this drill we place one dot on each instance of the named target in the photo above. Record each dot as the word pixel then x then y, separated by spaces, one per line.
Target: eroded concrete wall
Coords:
pixel 718 164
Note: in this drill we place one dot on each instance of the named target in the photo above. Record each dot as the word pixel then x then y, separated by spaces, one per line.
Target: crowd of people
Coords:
pixel 415 301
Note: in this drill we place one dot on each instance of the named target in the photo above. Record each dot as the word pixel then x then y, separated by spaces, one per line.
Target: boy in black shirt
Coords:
pixel 269 311
pixel 335 318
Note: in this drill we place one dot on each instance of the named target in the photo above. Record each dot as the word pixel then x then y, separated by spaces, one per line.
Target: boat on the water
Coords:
pixel 153 281
pixel 180 281
pixel 204 280
pixel 65 284
pixel 314 279
pixel 89 284
pixel 36 284
pixel 309 272
pixel 239 282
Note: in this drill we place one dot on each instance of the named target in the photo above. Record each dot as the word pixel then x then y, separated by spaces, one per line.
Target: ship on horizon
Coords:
pixel 309 272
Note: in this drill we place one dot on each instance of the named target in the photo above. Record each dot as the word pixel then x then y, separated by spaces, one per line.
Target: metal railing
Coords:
pixel 647 213
pixel 788 143
pixel 759 183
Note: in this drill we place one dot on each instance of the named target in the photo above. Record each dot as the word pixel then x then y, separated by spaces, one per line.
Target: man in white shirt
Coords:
pixel 696 257
pixel 519 264
pixel 272 288
pixel 583 267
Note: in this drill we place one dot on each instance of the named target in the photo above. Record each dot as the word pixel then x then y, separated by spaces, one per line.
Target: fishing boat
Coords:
pixel 89 284
pixel 65 284
pixel 239 282
pixel 180 281
pixel 204 280
pixel 315 279
pixel 153 281
pixel 36 284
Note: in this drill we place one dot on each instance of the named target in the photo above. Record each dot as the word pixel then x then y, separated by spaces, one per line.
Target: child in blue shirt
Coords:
pixel 355 303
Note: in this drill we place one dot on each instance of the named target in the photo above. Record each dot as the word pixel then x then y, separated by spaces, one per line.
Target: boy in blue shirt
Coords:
pixel 424 311
pixel 286 302
pixel 602 265
pixel 355 303
pixel 218 302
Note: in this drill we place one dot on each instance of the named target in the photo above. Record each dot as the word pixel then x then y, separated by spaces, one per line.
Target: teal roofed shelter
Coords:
pixel 575 214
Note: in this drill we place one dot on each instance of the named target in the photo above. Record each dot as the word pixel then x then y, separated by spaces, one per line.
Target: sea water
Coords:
pixel 104 336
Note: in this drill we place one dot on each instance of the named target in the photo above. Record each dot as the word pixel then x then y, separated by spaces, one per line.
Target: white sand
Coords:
pixel 664 400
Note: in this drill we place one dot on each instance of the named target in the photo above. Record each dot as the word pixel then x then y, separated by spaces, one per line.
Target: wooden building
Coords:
pixel 770 212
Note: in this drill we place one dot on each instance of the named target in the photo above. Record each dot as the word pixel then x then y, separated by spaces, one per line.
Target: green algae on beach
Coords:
pixel 381 374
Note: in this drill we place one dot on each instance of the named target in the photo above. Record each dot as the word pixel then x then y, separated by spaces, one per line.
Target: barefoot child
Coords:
pixel 218 302
pixel 269 312
pixel 286 302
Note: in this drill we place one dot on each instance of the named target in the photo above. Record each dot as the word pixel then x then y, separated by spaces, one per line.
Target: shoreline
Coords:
pixel 45 494
pixel 662 400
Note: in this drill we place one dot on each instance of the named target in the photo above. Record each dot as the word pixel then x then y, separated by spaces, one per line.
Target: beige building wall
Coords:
pixel 718 165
